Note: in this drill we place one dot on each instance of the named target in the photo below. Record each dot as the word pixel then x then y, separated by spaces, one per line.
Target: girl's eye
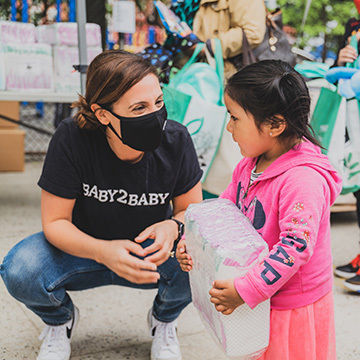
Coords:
pixel 232 117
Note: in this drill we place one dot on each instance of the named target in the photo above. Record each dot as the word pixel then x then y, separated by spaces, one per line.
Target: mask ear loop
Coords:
pixel 109 125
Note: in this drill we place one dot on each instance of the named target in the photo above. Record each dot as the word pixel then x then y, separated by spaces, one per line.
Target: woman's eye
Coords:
pixel 160 102
pixel 233 117
pixel 139 108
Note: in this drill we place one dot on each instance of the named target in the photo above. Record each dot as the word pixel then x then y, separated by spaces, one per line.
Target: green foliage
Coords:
pixel 5 6
pixel 326 18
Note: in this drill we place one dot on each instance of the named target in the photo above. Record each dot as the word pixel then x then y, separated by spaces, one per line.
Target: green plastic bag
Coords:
pixel 311 69
pixel 336 122
pixel 194 97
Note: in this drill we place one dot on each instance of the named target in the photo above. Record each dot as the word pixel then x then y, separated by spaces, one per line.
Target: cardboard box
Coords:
pixel 12 110
pixel 12 153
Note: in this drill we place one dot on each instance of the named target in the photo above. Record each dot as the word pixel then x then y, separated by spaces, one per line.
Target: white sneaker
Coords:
pixel 165 345
pixel 56 344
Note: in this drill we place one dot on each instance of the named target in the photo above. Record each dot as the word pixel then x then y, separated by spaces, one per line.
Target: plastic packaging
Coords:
pixel 66 33
pixel 223 244
pixel 15 32
pixel 28 67
pixel 66 80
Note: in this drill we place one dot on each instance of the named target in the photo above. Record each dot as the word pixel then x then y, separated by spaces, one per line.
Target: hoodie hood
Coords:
pixel 305 154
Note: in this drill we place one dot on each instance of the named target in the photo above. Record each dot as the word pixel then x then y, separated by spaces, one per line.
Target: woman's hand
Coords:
pixel 117 256
pixel 183 258
pixel 347 55
pixel 225 297
pixel 164 234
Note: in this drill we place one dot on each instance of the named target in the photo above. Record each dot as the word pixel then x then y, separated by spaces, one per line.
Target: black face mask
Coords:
pixel 143 133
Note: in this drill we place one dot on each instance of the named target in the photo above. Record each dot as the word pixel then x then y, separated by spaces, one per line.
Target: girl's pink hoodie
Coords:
pixel 289 206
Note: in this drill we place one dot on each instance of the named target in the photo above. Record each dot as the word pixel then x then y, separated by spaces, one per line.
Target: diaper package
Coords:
pixel 15 32
pixel 66 33
pixel 2 70
pixel 223 244
pixel 66 80
pixel 28 67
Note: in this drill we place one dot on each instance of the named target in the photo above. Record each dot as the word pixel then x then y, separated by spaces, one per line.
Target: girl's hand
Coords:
pixel 225 297
pixel 347 55
pixel 117 256
pixel 183 258
pixel 164 234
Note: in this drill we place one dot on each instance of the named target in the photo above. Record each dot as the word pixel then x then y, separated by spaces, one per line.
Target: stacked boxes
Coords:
pixel 2 70
pixel 64 33
pixel 63 38
pixel 25 65
pixel 28 67
pixel 36 59
pixel 224 245
pixel 41 58
pixel 17 32
pixel 12 157
pixel 66 79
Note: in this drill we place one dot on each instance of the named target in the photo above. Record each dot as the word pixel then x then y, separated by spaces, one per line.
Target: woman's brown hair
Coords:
pixel 109 76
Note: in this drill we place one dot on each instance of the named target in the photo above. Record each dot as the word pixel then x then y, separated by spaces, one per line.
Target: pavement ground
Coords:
pixel 113 319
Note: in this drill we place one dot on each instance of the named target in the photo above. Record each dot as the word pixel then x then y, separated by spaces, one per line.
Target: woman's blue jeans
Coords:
pixel 39 275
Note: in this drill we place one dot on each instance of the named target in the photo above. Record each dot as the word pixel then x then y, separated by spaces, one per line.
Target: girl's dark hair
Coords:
pixel 273 92
pixel 109 76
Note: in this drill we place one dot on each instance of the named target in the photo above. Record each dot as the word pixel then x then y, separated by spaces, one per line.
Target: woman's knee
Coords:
pixel 22 265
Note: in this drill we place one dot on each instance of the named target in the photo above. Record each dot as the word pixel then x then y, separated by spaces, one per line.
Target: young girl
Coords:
pixel 285 186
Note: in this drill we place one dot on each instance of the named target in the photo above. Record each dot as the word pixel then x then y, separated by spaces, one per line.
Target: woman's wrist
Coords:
pixel 97 250
pixel 180 230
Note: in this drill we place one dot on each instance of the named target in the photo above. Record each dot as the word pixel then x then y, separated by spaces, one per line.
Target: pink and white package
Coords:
pixel 65 33
pixel 28 67
pixel 223 244
pixel 66 80
pixel 17 32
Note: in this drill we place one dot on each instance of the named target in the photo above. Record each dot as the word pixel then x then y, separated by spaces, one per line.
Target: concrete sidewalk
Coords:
pixel 112 319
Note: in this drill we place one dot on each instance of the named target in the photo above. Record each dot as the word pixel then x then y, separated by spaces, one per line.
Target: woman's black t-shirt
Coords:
pixel 115 199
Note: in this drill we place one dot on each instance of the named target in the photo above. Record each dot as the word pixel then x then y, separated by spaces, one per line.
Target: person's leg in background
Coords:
pixel 357 195
pixel 351 271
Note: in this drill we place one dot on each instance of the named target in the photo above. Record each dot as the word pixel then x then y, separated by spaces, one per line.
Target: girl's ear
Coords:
pixel 277 127
pixel 100 113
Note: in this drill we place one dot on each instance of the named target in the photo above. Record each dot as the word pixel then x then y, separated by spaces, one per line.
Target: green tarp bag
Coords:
pixel 336 122
pixel 195 98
